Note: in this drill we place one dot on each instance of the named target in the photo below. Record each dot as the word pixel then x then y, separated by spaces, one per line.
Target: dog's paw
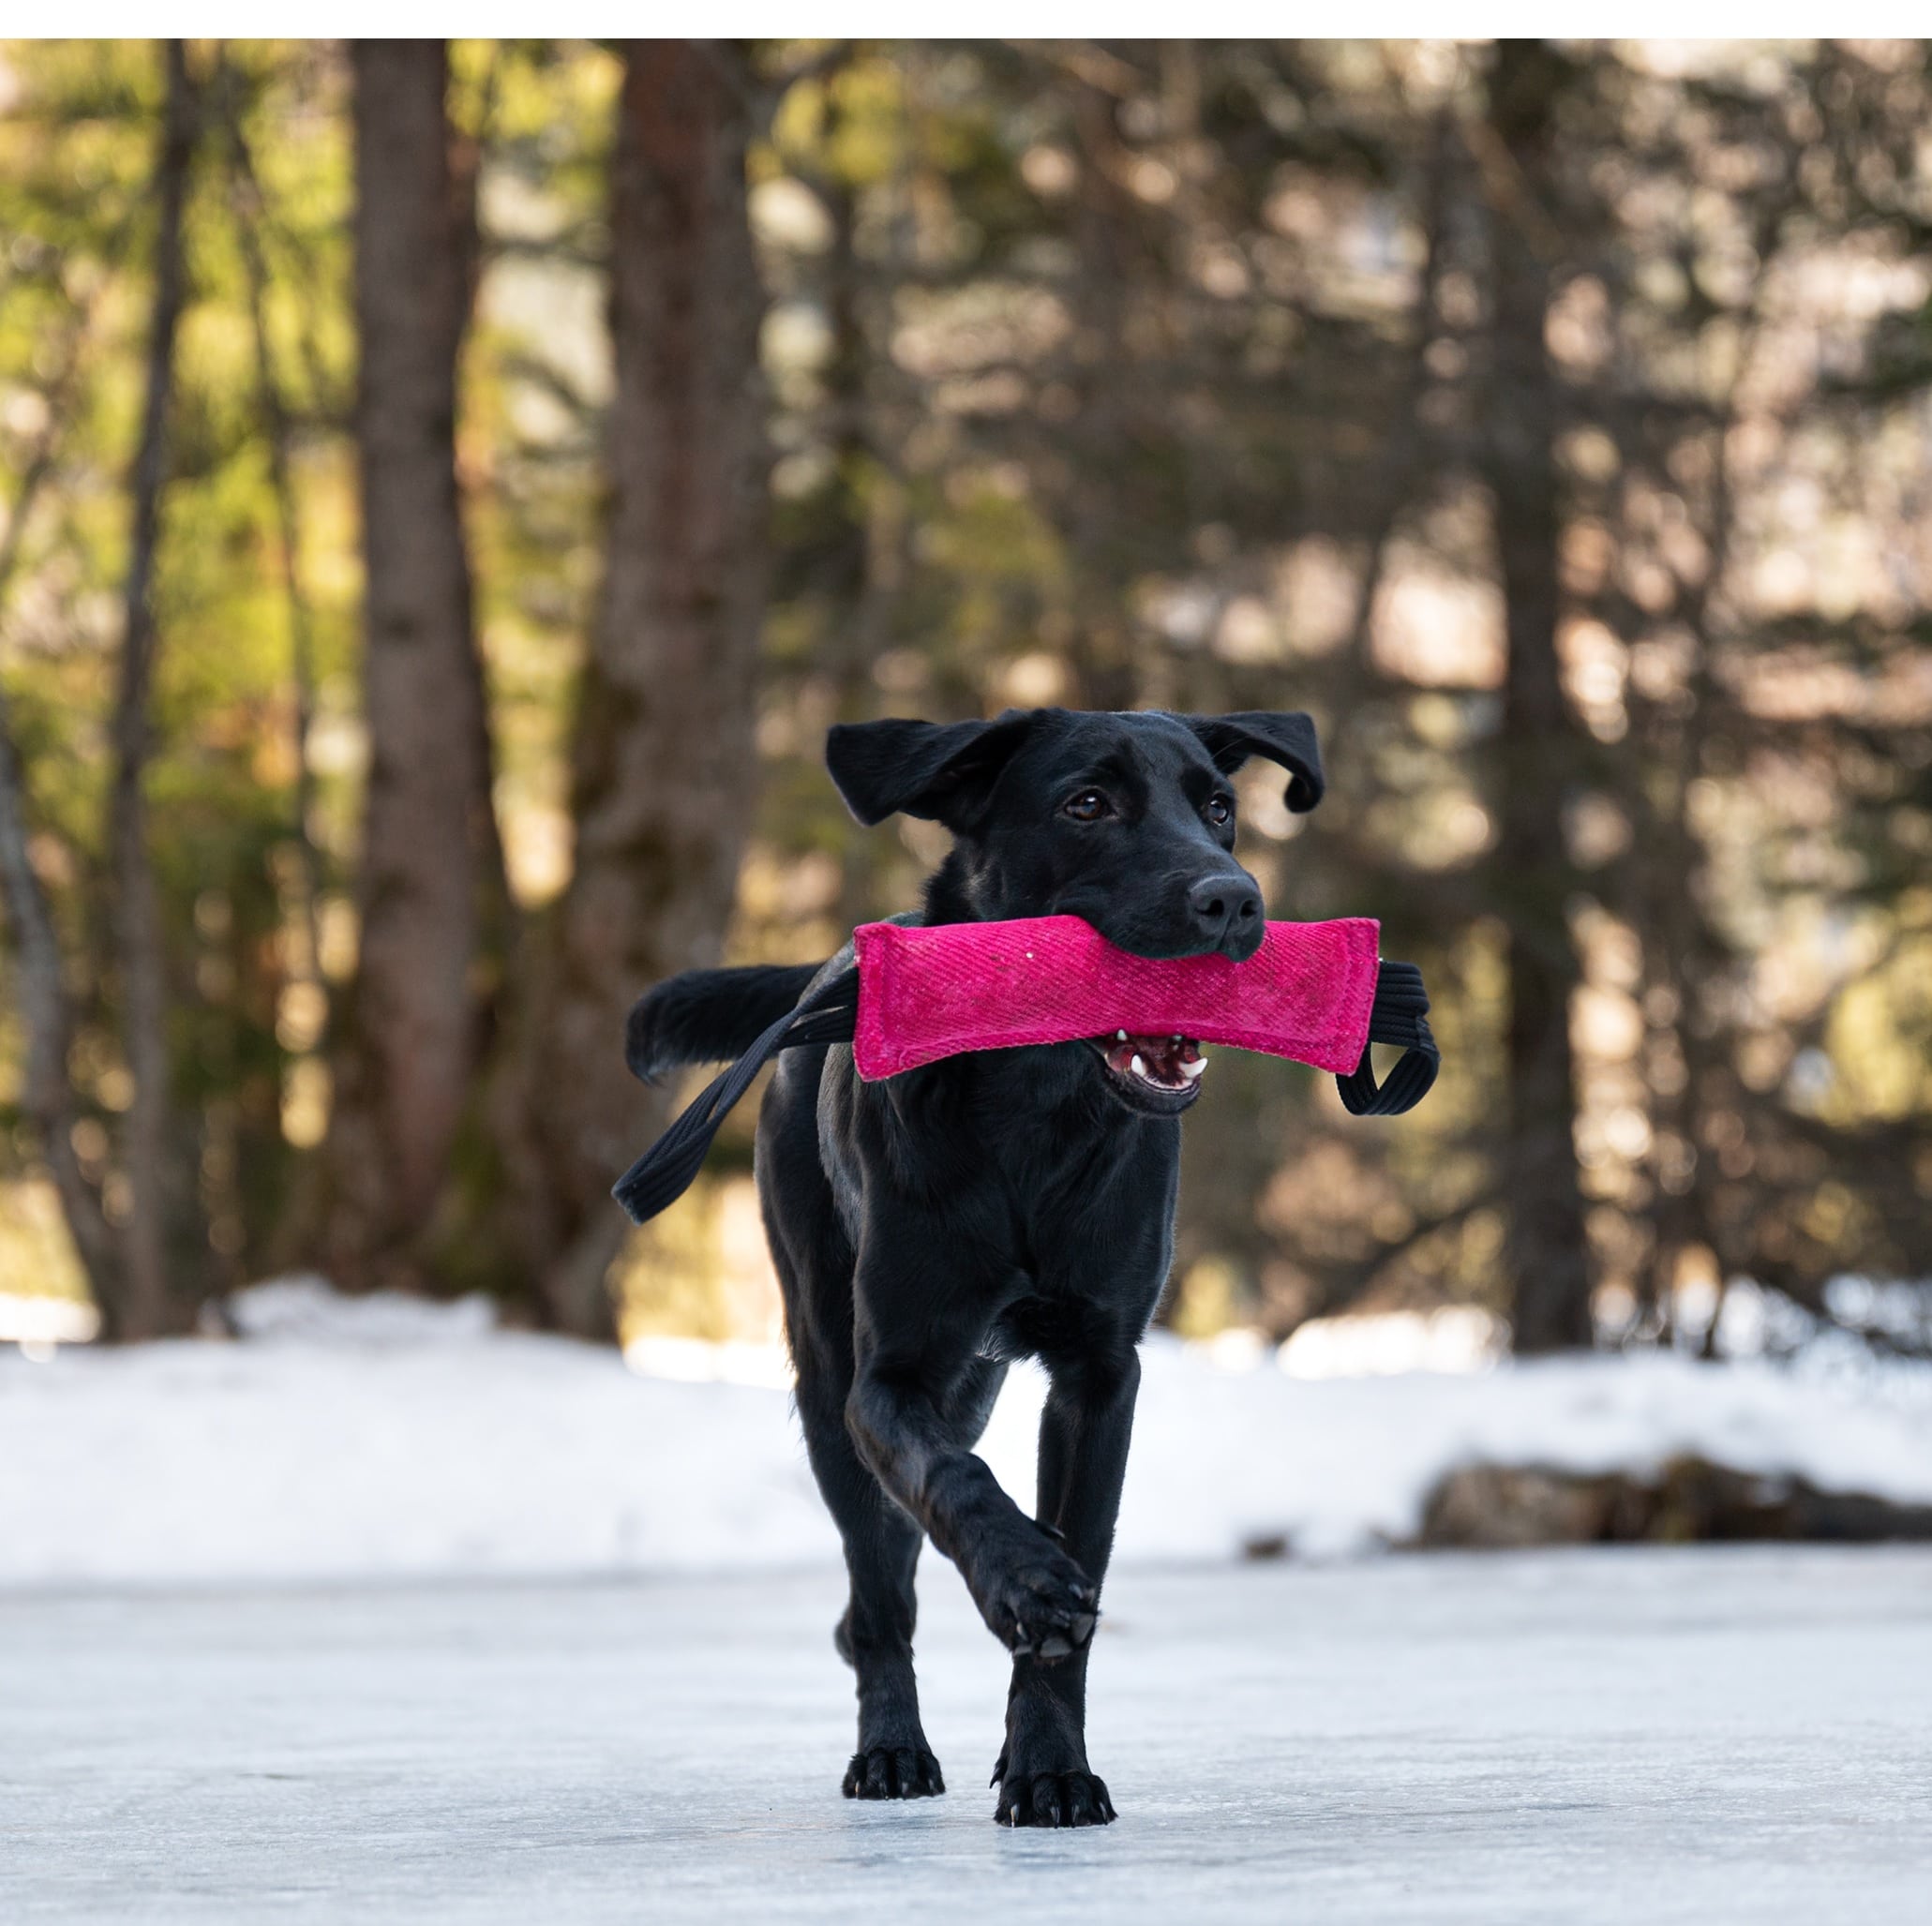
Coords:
pixel 1036 1601
pixel 893 1771
pixel 1052 1798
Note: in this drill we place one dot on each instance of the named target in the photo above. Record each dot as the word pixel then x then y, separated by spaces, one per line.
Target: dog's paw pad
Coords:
pixel 1054 1799
pixel 1043 1605
pixel 893 1771
pixel 1044 1627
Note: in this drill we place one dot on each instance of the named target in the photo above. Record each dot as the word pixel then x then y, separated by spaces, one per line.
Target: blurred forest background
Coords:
pixel 446 493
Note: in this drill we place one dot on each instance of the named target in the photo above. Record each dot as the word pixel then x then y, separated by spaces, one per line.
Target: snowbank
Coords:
pixel 385 1439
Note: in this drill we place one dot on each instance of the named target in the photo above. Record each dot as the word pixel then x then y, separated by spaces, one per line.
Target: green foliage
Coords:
pixel 1151 375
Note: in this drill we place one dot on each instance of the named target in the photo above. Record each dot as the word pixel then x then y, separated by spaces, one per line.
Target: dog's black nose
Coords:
pixel 1227 910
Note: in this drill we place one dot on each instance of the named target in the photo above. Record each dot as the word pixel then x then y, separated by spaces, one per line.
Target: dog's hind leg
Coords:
pixel 874 1637
pixel 1042 1773
pixel 814 1259
pixel 882 1546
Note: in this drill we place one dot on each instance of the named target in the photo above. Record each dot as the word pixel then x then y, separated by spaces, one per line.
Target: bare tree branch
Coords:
pixel 250 206
pixel 138 919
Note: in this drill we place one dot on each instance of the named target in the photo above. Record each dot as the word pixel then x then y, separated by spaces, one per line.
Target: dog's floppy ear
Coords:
pixel 939 771
pixel 1288 739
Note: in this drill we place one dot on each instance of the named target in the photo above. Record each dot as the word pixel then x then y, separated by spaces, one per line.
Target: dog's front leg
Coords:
pixel 1043 1774
pixel 1034 1597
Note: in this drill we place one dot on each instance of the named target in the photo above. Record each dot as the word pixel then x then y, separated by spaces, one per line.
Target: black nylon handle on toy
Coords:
pixel 662 1174
pixel 829 1015
pixel 1399 1015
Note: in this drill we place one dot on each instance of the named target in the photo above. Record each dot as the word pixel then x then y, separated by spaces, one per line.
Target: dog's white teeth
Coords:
pixel 1120 1036
pixel 1139 1067
pixel 1196 1069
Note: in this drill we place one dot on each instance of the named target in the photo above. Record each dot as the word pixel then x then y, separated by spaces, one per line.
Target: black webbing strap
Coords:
pixel 829 1015
pixel 662 1174
pixel 1399 1015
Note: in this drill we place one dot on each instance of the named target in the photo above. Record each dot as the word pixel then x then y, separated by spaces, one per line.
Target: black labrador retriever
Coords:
pixel 930 1229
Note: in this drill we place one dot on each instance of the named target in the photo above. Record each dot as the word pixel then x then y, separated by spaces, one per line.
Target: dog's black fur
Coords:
pixel 930 1229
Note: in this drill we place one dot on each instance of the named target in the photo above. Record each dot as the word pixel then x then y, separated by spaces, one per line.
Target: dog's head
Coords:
pixel 1125 820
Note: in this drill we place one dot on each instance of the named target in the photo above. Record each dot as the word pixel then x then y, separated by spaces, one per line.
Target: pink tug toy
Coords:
pixel 925 993
pixel 1315 992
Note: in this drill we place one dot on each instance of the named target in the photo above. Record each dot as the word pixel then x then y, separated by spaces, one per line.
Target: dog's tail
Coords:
pixel 709 1016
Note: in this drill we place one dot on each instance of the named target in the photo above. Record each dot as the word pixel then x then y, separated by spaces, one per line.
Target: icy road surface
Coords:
pixel 1655 1736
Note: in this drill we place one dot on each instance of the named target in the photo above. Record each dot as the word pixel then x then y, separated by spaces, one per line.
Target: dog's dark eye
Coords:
pixel 1088 806
pixel 1220 810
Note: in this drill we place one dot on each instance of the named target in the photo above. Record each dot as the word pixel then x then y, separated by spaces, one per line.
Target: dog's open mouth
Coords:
pixel 1168 1070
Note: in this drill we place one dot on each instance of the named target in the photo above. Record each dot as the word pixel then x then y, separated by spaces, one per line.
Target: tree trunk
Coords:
pixel 148 1305
pixel 1546 1253
pixel 45 1011
pixel 431 873
pixel 48 1095
pixel 665 757
pixel 250 209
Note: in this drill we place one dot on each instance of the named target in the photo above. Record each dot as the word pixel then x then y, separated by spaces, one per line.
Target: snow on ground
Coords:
pixel 1676 1736
pixel 347 1440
